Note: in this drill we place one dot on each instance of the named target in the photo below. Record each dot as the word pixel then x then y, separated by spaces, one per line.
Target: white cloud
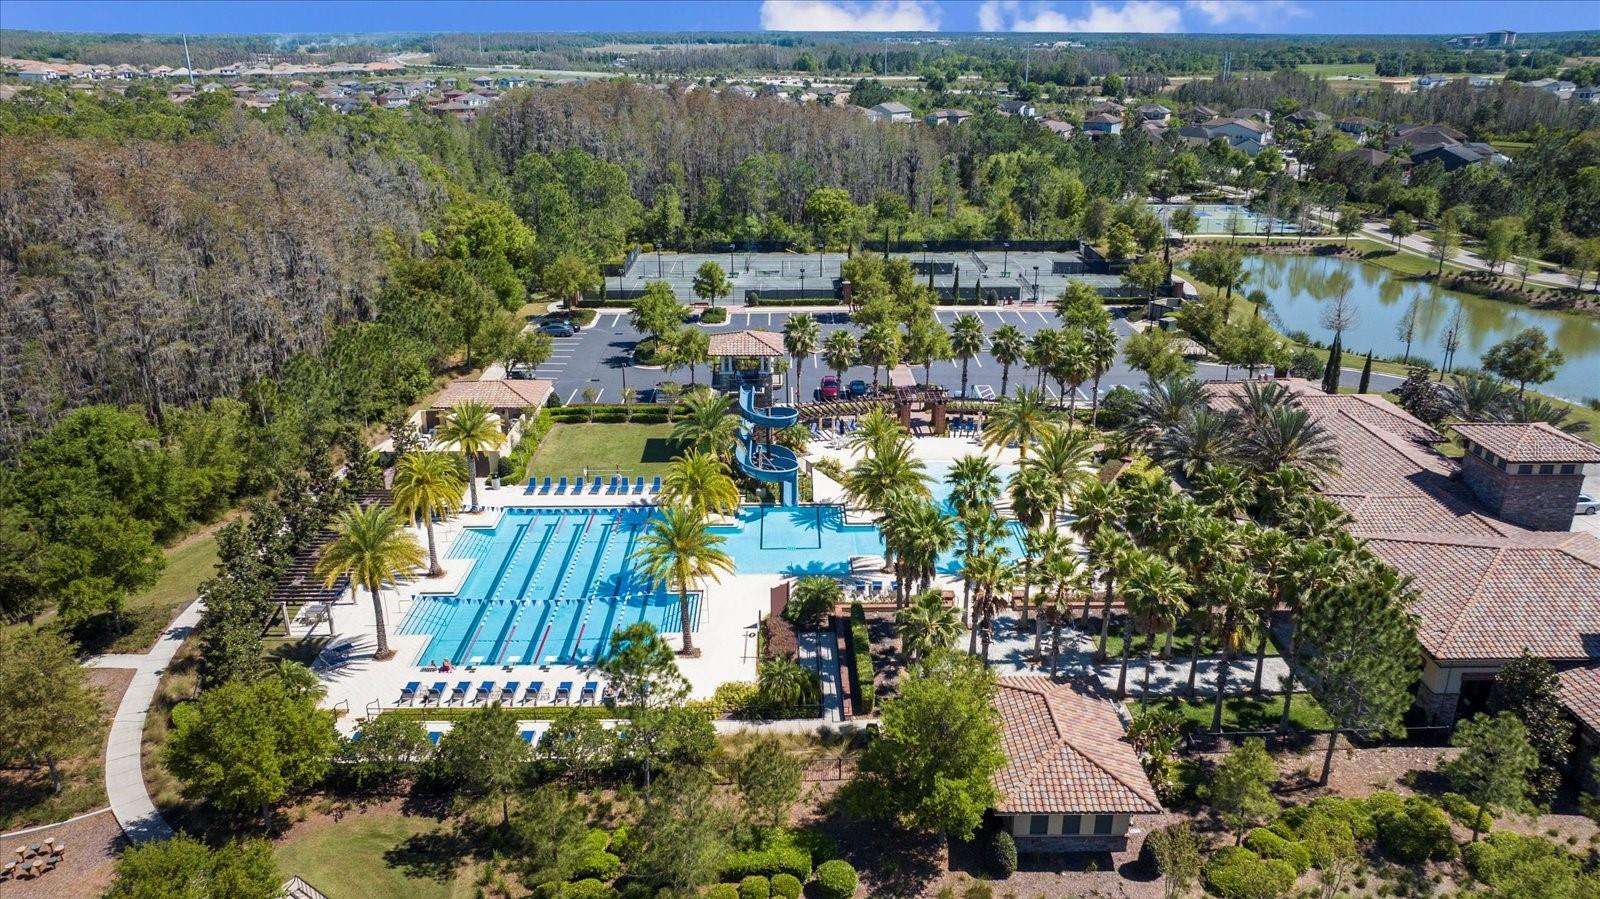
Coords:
pixel 1145 16
pixel 1252 13
pixel 844 15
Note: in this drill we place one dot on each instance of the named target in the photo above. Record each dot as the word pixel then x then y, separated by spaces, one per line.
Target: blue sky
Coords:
pixel 1228 16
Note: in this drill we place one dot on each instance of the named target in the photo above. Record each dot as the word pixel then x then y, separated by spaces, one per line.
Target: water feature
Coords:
pixel 1301 287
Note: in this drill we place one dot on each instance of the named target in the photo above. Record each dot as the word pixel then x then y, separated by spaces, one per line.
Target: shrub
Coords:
pixel 1235 872
pixel 596 840
pixel 1265 843
pixel 586 889
pixel 861 648
pixel 769 862
pixel 786 886
pixel 1462 809
pixel 1414 832
pixel 1000 856
pixel 738 699
pixel 1506 859
pixel 779 640
pixel 755 887
pixel 714 316
pixel 722 891
pixel 836 880
pixel 811 600
pixel 598 864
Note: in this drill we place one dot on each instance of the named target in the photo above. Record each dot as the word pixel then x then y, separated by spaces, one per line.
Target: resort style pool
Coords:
pixel 549 586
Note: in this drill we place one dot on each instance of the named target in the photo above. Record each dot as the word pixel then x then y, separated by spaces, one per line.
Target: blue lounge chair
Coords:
pixel 596 487
pixel 564 691
pixel 409 694
pixel 590 690
pixel 545 487
pixel 561 486
pixel 485 690
pixel 527 737
pixel 434 735
pixel 435 693
pixel 577 485
pixel 535 690
pixel 655 485
pixel 638 486
pixel 459 694
pixel 508 693
pixel 619 484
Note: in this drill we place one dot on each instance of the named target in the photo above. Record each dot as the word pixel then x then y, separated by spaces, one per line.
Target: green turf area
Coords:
pixel 636 449
pixel 152 610
pixel 1245 712
pixel 1339 69
pixel 376 854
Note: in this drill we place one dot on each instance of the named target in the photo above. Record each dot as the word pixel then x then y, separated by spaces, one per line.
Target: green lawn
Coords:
pixel 638 450
pixel 1339 69
pixel 1182 644
pixel 1247 713
pixel 153 609
pixel 381 854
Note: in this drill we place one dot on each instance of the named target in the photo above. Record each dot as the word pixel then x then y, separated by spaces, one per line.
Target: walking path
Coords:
pixel 125 787
pixel 817 650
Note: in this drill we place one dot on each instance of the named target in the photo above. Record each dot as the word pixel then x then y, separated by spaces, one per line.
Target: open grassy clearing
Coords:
pixel 150 611
pixel 380 852
pixel 1339 69
pixel 635 449
pixel 1244 712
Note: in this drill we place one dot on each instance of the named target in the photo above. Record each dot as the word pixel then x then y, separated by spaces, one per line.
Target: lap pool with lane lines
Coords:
pixel 549 586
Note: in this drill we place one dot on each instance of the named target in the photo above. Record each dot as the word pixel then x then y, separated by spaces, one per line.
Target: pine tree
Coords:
pixel 1366 374
pixel 1494 764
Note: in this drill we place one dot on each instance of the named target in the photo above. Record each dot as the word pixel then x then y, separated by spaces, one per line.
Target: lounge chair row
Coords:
pixel 617 486
pixel 510 693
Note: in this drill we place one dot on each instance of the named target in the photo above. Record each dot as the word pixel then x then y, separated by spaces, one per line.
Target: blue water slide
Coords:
pixel 776 417
pixel 767 462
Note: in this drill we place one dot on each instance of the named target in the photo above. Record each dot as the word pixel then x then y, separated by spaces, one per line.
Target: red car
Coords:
pixel 830 387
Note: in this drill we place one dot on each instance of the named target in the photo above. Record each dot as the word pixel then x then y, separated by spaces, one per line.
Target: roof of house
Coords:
pixel 1060 127
pixel 1246 124
pixel 1156 108
pixel 496 394
pixel 747 343
pixel 950 113
pixel 1486 588
pixel 1579 689
pixel 1107 106
pixel 1104 118
pixel 1535 442
pixel 1016 105
pixel 1066 752
pixel 1361 120
pixel 893 108
pixel 1368 155
pixel 1245 112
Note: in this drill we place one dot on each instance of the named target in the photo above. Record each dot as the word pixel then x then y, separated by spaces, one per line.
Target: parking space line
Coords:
pixel 984 391
pixel 573 395
pixel 1043 318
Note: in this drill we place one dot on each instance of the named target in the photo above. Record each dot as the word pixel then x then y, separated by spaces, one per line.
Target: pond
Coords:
pixel 1300 288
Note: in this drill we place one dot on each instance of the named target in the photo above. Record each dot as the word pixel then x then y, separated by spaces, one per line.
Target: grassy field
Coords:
pixel 381 854
pixel 151 610
pixel 1339 69
pixel 1247 713
pixel 638 450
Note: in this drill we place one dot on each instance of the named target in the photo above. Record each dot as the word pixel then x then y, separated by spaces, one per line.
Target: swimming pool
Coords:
pixel 550 585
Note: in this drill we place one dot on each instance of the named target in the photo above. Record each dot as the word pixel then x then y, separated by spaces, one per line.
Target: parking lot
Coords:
pixel 600 356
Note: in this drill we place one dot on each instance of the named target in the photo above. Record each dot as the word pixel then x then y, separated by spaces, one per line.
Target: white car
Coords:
pixel 1588 505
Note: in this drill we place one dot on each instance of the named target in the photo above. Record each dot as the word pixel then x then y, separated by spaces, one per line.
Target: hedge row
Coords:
pixel 861 647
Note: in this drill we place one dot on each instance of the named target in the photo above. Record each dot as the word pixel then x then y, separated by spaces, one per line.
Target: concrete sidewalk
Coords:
pixel 125 787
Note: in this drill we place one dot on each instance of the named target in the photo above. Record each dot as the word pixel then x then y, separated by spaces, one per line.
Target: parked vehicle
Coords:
pixel 558 327
pixel 858 388
pixel 1588 505
pixel 829 389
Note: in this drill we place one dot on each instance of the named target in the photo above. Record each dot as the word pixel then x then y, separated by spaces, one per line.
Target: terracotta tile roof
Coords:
pixel 1536 442
pixel 747 343
pixel 1580 693
pixel 1066 752
pixel 496 394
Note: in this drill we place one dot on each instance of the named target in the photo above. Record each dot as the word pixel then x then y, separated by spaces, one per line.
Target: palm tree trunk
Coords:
pixel 472 477
pixel 1194 658
pixel 1149 650
pixel 1127 642
pixel 1222 687
pixel 1261 662
pixel 988 632
pixel 1094 405
pixel 383 632
pixel 1005 379
pixel 434 569
pixel 1055 644
pixel 964 361
pixel 1288 682
pixel 972 633
pixel 1105 618
pixel 683 615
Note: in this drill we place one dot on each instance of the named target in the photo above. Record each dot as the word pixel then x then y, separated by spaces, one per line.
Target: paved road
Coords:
pixel 600 356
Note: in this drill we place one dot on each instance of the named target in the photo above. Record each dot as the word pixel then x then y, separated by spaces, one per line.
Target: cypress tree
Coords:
pixel 1330 375
pixel 1366 374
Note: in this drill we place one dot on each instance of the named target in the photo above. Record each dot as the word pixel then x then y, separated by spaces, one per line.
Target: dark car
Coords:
pixel 558 327
pixel 858 388
pixel 830 387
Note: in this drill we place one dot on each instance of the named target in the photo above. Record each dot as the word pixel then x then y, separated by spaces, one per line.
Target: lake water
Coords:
pixel 1301 287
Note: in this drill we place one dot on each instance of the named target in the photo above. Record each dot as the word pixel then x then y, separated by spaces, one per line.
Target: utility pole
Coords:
pixel 188 63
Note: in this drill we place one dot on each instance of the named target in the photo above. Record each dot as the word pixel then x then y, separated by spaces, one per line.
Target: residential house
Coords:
pixel 1314 119
pixel 1422 137
pixel 510 82
pixel 1244 134
pixel 1252 112
pixel 1195 136
pixel 891 111
pixel 1023 108
pixel 455 109
pixel 1429 82
pixel 1106 106
pixel 1587 95
pixel 394 100
pixel 512 402
pixel 741 90
pixel 269 95
pixel 1153 130
pixel 1154 112
pixel 1561 90
pixel 474 100
pixel 1481 82
pixel 947 117
pixel 1457 156
pixel 1485 538
pixel 1196 114
pixel 1072 782
pixel 346 105
pixel 1064 130
pixel 483 81
pixel 1359 125
pixel 1101 124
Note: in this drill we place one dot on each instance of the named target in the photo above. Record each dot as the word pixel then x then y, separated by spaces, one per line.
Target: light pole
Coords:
pixel 730 260
pixel 1036 284
pixel 658 262
pixel 802 283
pixel 1005 258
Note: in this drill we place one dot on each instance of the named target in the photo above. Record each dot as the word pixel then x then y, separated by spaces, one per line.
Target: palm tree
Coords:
pixel 1114 555
pixel 1475 396
pixel 1201 439
pixel 992 577
pixel 1064 576
pixel 966 341
pixel 926 626
pixel 839 352
pixel 473 429
pixel 974 484
pixel 880 348
pixel 1072 367
pixel 1008 345
pixel 932 533
pixel 786 684
pixel 700 481
pixel 878 476
pixel 708 423
pixel 677 550
pixel 876 429
pixel 1236 596
pixel 1156 594
pixel 1033 496
pixel 1527 409
pixel 1268 551
pixel 800 338
pixel 371 546
pixel 1291 437
pixel 1165 403
pixel 1100 346
pixel 1020 419
pixel 428 484
pixel 1226 489
pixel 1064 457
pixel 1044 350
